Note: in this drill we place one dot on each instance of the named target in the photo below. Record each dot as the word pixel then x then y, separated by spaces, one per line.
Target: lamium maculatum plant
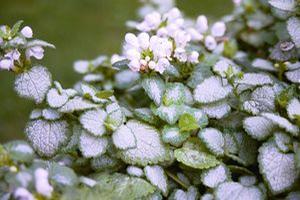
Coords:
pixel 188 110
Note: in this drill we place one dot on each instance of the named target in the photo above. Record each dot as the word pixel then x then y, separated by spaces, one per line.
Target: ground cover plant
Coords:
pixel 190 109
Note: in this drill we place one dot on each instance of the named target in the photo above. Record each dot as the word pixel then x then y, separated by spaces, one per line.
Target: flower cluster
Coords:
pixel 172 28
pixel 220 119
pixel 17 49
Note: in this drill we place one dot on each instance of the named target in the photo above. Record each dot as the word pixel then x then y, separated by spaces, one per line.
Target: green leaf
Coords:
pixel 195 158
pixel 115 186
pixel 122 64
pixel 20 151
pixel 187 123
pixel 174 94
pixel 105 94
pixel 16 27
pixel 230 48
pixel 173 136
pixel 62 175
pixel 146 115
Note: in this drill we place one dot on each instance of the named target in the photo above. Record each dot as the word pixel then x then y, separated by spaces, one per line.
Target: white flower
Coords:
pixel 161 47
pixel 151 22
pixel 218 29
pixel 81 66
pixel 13 55
pixel 237 2
pixel 194 34
pixel 7 62
pixel 22 193
pixel 36 51
pixel 210 43
pixel 145 53
pixel 116 58
pixel 202 24
pixel 180 54
pixel 181 38
pixel 161 65
pixel 193 57
pixel 27 32
pixel 42 185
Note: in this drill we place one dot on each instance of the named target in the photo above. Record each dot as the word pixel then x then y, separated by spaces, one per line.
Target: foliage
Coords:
pixel 188 110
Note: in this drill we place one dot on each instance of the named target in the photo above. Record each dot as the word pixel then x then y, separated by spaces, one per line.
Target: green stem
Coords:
pixel 172 176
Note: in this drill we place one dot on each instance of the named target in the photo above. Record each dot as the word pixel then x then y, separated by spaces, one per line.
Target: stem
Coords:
pixel 172 176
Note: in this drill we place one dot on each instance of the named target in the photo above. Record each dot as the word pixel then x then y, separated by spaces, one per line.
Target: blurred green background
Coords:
pixel 80 29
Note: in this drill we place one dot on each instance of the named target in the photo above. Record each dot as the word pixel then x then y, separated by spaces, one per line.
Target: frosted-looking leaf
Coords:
pixel 51 114
pixel 126 78
pixel 157 177
pixel 62 175
pixel 213 139
pixel 247 148
pixel 20 151
pixel 207 196
pixel 178 195
pixel 255 79
pixel 134 171
pixel 293 76
pixel 287 5
pixel 174 94
pixel 149 147
pixel 236 191
pixel 154 86
pixel 263 64
pixel 33 84
pixel 104 162
pixel 222 66
pixel 216 110
pixel 77 104
pixel 47 137
pixel 200 73
pixel 214 176
pixel 169 114
pixel 230 145
pixel 146 115
pixel 35 114
pixel 262 100
pixel 91 146
pixel 189 100
pixel 93 121
pixel 173 136
pixel 293 108
pixel 90 78
pixel 278 169
pixel 293 196
pixel 211 90
pixel 115 116
pixel 293 27
pixel 283 141
pixel 198 114
pixel 247 180
pixel 55 99
pixel 282 123
pixel 258 127
pixel 123 138
pixel 195 158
